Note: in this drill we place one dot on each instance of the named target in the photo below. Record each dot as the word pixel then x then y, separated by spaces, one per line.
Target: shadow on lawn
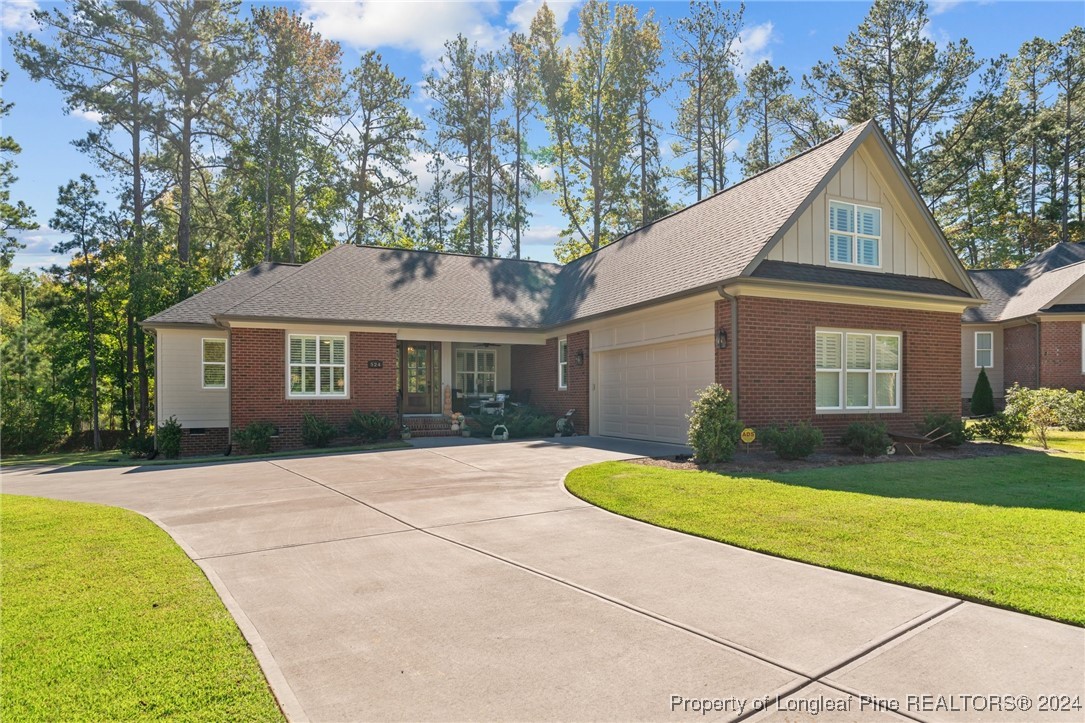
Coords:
pixel 1030 480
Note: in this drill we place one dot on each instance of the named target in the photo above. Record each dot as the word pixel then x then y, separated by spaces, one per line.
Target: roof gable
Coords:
pixel 1056 276
pixel 200 309
pixel 913 244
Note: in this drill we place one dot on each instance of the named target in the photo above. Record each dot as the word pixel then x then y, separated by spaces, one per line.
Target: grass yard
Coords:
pixel 1003 530
pixel 114 458
pixel 105 618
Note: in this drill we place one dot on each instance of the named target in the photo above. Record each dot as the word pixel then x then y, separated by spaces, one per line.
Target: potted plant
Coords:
pixel 457 421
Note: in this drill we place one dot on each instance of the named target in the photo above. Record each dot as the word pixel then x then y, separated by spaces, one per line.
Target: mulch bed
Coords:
pixel 760 460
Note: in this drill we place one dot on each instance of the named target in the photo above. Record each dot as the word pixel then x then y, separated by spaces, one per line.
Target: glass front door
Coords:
pixel 420 367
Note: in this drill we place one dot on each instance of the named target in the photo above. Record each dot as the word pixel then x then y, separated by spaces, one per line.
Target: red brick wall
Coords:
pixel 1019 356
pixel 258 383
pixel 1060 355
pixel 536 368
pixel 213 441
pixel 776 361
pixel 724 356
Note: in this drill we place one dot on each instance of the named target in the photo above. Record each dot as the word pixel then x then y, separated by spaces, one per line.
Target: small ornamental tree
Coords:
pixel 983 397
pixel 713 427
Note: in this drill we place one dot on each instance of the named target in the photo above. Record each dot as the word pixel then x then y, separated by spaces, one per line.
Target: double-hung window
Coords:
pixel 213 366
pixel 317 366
pixel 857 370
pixel 563 363
pixel 476 371
pixel 985 349
pixel 855 234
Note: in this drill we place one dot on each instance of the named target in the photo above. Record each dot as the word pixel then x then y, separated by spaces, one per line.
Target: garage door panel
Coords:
pixel 646 392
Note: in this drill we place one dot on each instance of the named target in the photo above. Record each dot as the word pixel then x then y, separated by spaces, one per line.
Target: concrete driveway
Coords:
pixel 465 583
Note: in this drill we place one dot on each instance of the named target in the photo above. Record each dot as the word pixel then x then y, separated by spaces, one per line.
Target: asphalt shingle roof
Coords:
pixel 1014 293
pixel 201 308
pixel 810 273
pixel 696 248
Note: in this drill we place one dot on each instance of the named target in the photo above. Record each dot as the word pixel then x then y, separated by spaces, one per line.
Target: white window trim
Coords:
pixel 872 374
pixel 976 349
pixel 854 263
pixel 563 365
pixel 345 394
pixel 456 371
pixel 224 364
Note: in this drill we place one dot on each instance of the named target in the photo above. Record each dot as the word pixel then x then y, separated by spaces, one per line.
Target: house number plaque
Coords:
pixel 376 364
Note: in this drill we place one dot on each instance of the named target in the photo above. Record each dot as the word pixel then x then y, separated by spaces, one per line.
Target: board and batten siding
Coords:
pixel 969 371
pixel 180 382
pixel 807 241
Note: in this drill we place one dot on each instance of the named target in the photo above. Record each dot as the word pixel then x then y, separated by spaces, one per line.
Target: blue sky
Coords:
pixel 410 36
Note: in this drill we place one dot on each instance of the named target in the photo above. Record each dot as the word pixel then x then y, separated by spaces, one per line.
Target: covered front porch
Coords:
pixel 442 376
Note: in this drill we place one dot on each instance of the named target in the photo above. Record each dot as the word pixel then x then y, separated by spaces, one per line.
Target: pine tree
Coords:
pixel 764 111
pixel 982 403
pixel 15 216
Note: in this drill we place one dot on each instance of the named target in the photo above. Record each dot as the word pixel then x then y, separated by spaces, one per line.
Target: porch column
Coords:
pixel 446 377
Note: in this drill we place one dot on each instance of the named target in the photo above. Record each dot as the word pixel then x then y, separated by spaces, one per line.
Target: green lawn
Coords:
pixel 1004 530
pixel 114 458
pixel 105 618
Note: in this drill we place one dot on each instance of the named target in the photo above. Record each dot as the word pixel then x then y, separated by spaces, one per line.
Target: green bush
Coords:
pixel 1041 408
pixel 1002 428
pixel 523 422
pixel 713 427
pixel 138 446
pixel 372 427
pixel 866 438
pixel 169 438
pixel 983 397
pixel 938 423
pixel 797 441
pixel 316 431
pixel 1072 412
pixel 255 438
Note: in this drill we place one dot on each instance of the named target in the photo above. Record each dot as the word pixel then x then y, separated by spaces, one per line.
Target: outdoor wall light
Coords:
pixel 580 358
pixel 721 339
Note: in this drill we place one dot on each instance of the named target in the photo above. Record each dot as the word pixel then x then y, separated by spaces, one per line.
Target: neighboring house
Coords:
pixel 818 290
pixel 1030 330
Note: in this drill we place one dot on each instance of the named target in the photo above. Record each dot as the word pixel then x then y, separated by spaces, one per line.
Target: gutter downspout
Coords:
pixel 734 344
pixel 1036 324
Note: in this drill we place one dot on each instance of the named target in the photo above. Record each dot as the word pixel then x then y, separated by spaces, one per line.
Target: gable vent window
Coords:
pixel 855 234
pixel 317 366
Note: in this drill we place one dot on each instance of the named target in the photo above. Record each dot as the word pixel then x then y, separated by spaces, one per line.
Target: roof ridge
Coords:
pixel 449 253
pixel 717 194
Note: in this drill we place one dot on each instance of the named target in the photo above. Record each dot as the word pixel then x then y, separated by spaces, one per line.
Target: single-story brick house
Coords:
pixel 820 290
pixel 1031 329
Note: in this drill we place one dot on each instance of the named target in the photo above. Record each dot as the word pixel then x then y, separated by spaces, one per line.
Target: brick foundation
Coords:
pixel 209 442
pixel 536 368
pixel 776 360
pixel 258 383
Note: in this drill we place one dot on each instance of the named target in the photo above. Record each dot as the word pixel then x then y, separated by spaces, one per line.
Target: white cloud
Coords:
pixel 943 6
pixel 16 15
pixel 753 45
pixel 92 116
pixel 419 26
pixel 520 17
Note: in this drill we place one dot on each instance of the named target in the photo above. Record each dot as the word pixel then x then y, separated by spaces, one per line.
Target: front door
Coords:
pixel 420 369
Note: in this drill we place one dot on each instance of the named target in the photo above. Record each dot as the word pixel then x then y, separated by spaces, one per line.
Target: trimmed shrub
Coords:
pixel 316 431
pixel 1040 408
pixel 522 421
pixel 796 441
pixel 138 446
pixel 940 423
pixel 372 427
pixel 866 438
pixel 1002 428
pixel 983 397
pixel 169 438
pixel 255 438
pixel 713 428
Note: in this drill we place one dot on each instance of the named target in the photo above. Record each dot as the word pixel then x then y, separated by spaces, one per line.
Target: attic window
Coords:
pixel 855 234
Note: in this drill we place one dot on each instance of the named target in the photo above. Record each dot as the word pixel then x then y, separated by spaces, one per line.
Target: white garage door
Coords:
pixel 645 392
